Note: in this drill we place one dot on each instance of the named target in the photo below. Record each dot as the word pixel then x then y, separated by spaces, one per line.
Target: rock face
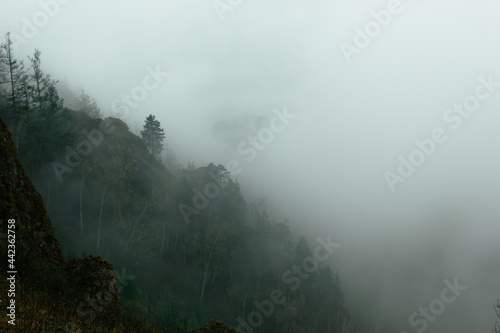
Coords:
pixel 96 277
pixel 20 201
pixel 38 252
pixel 214 326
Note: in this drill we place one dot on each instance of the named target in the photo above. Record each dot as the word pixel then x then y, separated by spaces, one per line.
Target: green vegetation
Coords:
pixel 153 135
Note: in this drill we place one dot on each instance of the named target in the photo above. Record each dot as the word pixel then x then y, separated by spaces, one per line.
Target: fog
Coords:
pixel 351 117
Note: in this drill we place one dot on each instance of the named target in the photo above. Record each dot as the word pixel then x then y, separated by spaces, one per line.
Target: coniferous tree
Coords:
pixel 25 93
pixel 88 105
pixel 171 161
pixel 49 132
pixel 14 73
pixel 153 135
pixel 3 72
pixel 40 81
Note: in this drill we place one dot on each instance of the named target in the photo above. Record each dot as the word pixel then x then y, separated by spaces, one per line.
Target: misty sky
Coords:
pixel 325 170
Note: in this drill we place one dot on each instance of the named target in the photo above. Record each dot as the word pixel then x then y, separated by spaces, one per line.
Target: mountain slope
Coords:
pixel 49 293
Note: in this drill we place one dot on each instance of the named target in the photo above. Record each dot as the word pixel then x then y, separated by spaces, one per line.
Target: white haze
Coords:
pixel 325 170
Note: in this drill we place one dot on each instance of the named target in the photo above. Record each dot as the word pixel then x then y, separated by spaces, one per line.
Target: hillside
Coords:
pixel 86 289
pixel 43 275
pixel 122 204
pixel 169 248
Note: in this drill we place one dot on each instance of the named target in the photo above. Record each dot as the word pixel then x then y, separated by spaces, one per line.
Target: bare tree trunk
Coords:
pixel 168 237
pixel 100 218
pixel 176 235
pixel 135 227
pixel 215 272
pixel 19 126
pixel 209 250
pixel 244 303
pixel 81 207
pixel 163 238
pixel 40 143
pixel 207 266
pixel 48 195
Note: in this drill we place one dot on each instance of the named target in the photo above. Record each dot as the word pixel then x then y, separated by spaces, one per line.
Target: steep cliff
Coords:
pixel 45 293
